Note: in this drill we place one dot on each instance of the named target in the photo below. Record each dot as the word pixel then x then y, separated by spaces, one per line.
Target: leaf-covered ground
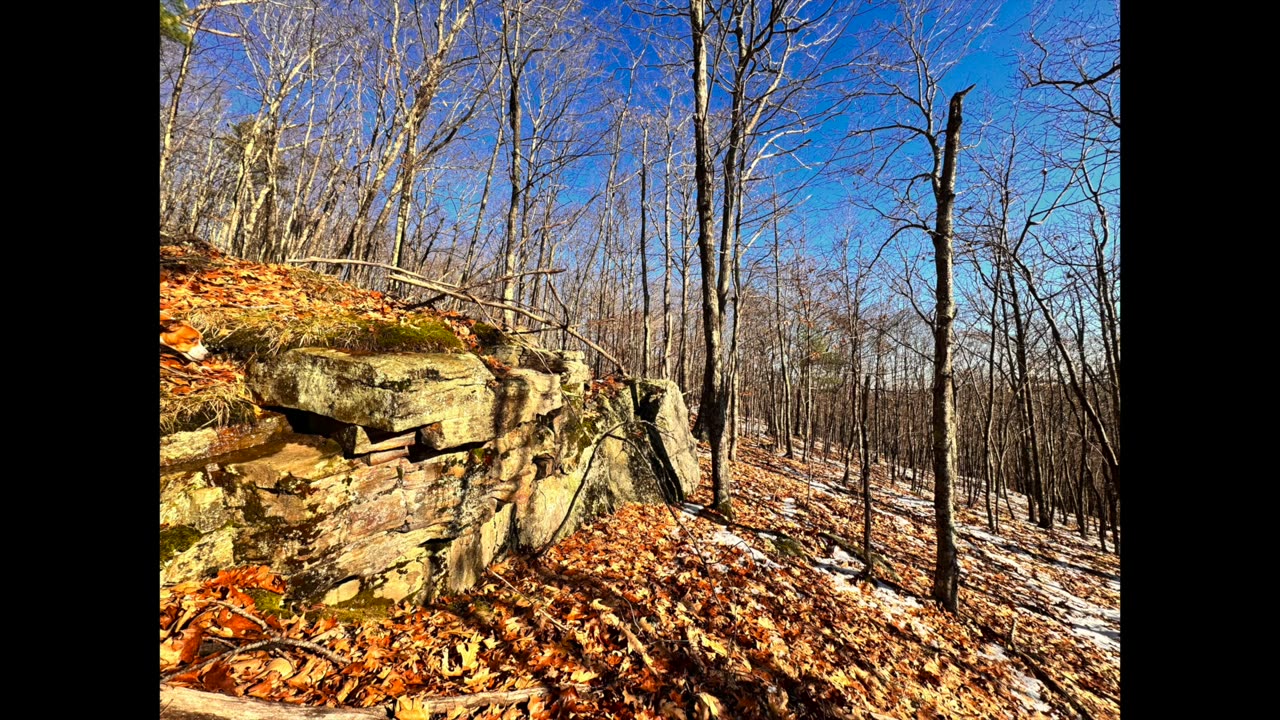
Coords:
pixel 246 309
pixel 667 612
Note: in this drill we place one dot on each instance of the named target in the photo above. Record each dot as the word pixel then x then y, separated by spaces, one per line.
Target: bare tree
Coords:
pixel 920 46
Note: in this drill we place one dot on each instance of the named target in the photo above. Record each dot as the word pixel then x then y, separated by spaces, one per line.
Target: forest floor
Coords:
pixel 667 612
pixel 655 611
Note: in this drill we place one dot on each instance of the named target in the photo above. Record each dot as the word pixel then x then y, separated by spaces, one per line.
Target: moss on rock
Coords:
pixel 489 336
pixel 366 605
pixel 269 603
pixel 424 335
pixel 175 540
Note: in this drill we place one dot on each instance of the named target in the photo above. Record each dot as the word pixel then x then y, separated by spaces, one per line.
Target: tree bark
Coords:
pixel 645 349
pixel 511 49
pixel 711 406
pixel 946 575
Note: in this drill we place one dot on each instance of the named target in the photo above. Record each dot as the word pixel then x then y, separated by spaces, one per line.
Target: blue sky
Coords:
pixel 827 214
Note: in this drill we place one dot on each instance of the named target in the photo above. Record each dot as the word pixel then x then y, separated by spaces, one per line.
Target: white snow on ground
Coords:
pixel 974 532
pixel 843 569
pixel 839 555
pixel 826 489
pixel 906 472
pixel 915 501
pixel 1099 624
pixel 724 537
pixel 789 509
pixel 884 592
pixel 1028 689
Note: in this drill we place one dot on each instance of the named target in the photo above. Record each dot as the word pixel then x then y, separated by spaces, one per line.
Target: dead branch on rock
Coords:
pixel 458 293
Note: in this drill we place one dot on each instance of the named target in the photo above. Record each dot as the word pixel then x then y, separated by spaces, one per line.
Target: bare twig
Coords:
pixel 274 640
pixel 244 614
pixel 548 615
pixel 180 703
pixel 410 278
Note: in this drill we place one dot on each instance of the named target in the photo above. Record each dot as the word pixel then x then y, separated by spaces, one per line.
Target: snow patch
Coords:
pixel 1086 619
pixel 827 489
pixel 886 600
pixel 724 537
pixel 789 508
pixel 887 594
pixel 914 501
pixel 1101 625
pixel 1029 690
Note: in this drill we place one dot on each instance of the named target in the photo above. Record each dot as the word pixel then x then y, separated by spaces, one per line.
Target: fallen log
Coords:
pixel 355 440
pixel 180 703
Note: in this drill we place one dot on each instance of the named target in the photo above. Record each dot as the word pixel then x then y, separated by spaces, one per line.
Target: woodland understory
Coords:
pixel 656 611
pixel 667 611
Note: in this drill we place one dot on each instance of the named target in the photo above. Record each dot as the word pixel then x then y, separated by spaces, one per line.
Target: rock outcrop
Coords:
pixel 403 475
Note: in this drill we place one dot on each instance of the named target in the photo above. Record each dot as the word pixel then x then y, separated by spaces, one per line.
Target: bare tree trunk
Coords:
pixel 666 260
pixel 175 97
pixel 785 425
pixel 864 456
pixel 946 576
pixel 712 406
pixel 1109 452
pixel 484 201
pixel 512 23
pixel 645 349
pixel 685 261
pixel 988 467
pixel 406 190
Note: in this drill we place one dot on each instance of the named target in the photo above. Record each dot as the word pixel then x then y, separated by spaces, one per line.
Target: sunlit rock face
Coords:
pixel 403 475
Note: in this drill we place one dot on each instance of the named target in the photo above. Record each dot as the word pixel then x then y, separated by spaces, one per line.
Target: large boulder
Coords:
pixel 527 395
pixel 601 469
pixel 389 391
pixel 661 409
pixel 568 364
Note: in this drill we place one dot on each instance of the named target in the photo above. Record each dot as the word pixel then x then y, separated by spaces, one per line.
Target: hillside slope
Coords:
pixel 657 611
pixel 666 612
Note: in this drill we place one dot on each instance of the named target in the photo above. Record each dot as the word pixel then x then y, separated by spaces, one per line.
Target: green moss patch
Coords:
pixel 175 540
pixel 262 332
pixel 489 336
pixel 269 603
pixel 788 547
pixel 363 607
pixel 427 335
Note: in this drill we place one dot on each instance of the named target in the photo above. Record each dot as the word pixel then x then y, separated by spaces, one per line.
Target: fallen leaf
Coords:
pixel 411 708
pixel 708 707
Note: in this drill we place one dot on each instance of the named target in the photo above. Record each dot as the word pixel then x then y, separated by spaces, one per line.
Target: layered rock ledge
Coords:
pixel 403 475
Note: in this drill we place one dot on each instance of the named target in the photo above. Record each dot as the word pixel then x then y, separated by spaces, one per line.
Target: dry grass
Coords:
pixel 248 310
pixel 246 333
pixel 218 405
